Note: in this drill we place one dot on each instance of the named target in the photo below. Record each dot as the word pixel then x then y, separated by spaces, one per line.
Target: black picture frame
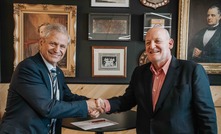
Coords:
pixel 106 26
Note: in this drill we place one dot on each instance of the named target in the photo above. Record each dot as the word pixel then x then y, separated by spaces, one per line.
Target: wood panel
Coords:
pixel 107 91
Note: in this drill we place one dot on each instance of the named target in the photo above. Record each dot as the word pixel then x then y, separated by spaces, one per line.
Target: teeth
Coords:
pixel 154 51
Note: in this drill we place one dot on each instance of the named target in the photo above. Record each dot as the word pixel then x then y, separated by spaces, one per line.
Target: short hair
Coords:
pixel 57 27
pixel 217 7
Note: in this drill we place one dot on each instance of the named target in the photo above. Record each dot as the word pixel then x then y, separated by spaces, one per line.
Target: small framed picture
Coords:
pixel 163 20
pixel 110 3
pixel 106 26
pixel 109 61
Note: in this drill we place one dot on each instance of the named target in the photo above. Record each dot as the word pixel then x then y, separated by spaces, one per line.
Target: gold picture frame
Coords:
pixel 28 17
pixel 183 37
pixel 109 61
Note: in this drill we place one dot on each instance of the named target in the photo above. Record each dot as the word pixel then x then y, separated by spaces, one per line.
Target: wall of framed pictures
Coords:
pixel 128 16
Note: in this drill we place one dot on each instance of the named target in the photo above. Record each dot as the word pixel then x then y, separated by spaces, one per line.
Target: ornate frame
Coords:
pixel 182 41
pixel 109 61
pixel 69 15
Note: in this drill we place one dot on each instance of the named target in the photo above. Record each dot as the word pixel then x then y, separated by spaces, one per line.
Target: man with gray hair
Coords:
pixel 38 97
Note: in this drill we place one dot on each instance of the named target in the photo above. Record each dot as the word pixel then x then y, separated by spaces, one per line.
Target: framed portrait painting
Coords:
pixel 109 61
pixel 30 18
pixel 199 39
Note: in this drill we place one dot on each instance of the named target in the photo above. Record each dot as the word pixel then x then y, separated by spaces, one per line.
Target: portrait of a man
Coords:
pixel 205 44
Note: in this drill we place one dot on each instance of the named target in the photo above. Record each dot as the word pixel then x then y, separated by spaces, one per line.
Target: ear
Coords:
pixel 41 41
pixel 171 42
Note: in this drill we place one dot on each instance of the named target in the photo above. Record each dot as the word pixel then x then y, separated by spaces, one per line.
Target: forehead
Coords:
pixel 156 34
pixel 213 11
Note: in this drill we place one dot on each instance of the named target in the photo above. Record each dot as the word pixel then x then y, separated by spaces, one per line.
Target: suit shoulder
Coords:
pixel 189 64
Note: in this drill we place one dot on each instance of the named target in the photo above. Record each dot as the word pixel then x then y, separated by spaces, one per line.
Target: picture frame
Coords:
pixel 152 19
pixel 108 26
pixel 187 27
pixel 109 61
pixel 110 3
pixel 28 17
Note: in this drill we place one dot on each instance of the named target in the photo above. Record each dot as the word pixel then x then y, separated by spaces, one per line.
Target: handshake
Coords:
pixel 96 107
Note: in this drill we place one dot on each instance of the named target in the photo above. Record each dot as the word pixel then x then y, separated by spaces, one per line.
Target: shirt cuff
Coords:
pixel 107 106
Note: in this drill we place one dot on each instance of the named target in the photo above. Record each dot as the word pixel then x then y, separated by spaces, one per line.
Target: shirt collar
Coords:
pixel 164 68
pixel 49 66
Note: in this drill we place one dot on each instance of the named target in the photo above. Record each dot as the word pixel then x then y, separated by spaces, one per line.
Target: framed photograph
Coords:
pixel 151 19
pixel 195 41
pixel 106 26
pixel 28 20
pixel 109 61
pixel 110 3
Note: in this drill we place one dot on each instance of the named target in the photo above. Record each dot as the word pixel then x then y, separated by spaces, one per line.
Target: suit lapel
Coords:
pixel 60 81
pixel 214 38
pixel 168 83
pixel 147 97
pixel 39 62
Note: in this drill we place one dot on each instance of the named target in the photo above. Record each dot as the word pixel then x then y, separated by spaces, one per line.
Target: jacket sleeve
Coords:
pixel 33 85
pixel 203 103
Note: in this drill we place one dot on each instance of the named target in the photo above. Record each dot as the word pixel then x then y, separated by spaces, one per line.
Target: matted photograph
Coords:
pixel 109 61
pixel 199 33
pixel 110 3
pixel 30 19
pixel 106 26
pixel 151 19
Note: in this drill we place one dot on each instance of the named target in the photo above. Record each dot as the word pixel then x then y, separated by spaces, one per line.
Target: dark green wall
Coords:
pixel 83 55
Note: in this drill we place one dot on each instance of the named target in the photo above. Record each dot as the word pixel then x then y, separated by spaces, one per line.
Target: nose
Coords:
pixel 57 48
pixel 152 45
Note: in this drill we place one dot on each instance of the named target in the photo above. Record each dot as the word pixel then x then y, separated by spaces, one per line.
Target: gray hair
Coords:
pixel 217 7
pixel 57 27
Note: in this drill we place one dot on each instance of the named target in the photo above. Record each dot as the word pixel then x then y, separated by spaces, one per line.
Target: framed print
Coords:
pixel 151 19
pixel 29 18
pixel 106 26
pixel 110 3
pixel 109 61
pixel 195 41
pixel 154 3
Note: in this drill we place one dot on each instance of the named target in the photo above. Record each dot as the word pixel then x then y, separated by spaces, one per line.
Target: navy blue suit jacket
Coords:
pixel 185 105
pixel 29 105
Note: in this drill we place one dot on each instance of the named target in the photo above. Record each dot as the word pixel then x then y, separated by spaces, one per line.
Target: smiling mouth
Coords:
pixel 54 55
pixel 154 51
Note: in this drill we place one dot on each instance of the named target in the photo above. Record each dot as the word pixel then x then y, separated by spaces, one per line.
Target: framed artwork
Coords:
pixel 151 19
pixel 29 17
pixel 106 26
pixel 110 3
pixel 154 3
pixel 109 61
pixel 192 21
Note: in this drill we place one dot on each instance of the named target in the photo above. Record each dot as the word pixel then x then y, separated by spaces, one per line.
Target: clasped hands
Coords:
pixel 95 107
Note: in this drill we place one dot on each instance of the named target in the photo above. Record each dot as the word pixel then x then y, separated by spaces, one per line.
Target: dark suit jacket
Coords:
pixel 29 105
pixel 185 105
pixel 211 51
